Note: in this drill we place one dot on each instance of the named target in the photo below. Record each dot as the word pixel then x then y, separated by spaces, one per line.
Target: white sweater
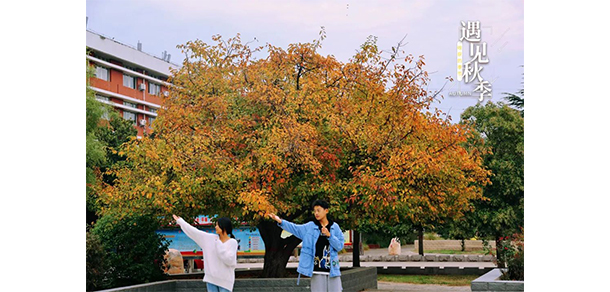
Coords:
pixel 219 258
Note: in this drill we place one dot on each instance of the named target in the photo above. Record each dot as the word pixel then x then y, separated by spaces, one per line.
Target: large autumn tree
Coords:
pixel 241 136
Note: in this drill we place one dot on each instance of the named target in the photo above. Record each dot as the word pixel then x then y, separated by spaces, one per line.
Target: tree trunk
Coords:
pixel 463 245
pixel 277 249
pixel 420 237
pixel 356 249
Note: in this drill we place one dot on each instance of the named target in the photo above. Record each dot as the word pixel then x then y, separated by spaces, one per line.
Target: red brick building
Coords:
pixel 131 81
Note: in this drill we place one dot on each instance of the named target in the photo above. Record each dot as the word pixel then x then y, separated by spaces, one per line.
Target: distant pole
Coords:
pixel 356 249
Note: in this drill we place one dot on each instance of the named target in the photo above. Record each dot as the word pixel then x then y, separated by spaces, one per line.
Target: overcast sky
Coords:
pixel 432 29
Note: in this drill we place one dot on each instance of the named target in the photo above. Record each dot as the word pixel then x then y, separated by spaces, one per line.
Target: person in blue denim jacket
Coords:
pixel 322 241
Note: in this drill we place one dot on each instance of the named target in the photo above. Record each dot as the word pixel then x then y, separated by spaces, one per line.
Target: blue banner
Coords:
pixel 249 241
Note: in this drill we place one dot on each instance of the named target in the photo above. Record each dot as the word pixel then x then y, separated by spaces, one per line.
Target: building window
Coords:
pixel 102 73
pixel 153 88
pixel 102 98
pixel 129 116
pixel 152 110
pixel 129 81
pixel 129 104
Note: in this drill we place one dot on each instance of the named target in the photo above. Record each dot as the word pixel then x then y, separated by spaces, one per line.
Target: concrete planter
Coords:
pixel 163 286
pixel 353 280
pixel 490 283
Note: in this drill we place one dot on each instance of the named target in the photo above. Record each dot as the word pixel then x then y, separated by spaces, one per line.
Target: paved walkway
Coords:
pixel 398 287
pixel 406 250
pixel 405 287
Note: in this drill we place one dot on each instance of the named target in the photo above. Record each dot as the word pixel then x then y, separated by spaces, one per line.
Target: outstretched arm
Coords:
pixel 195 234
pixel 297 229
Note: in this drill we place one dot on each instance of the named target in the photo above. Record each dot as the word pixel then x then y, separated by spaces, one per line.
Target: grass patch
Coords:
pixel 447 251
pixel 449 280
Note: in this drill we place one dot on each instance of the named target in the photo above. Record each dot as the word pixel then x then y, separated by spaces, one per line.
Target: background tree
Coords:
pixel 95 155
pixel 107 257
pixel 243 137
pixel 133 250
pixel 501 127
pixel 516 99
pixel 461 229
pixel 382 234
pixel 114 134
pixel 107 131
pixel 97 263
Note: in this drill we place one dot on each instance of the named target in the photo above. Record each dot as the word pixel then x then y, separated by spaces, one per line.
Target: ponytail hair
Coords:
pixel 225 225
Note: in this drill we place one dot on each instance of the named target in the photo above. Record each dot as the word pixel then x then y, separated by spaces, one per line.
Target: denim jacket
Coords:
pixel 309 233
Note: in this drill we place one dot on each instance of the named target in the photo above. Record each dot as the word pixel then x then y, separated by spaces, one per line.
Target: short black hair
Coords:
pixel 320 203
pixel 225 225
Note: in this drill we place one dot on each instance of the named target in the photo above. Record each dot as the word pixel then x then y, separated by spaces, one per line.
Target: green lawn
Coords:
pixel 449 280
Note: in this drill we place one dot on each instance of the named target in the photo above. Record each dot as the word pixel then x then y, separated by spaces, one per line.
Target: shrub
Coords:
pixel 432 236
pixel 382 234
pixel 97 263
pixel 513 257
pixel 133 249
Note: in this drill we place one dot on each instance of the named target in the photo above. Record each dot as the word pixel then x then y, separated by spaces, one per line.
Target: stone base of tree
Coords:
pixel 490 283
pixel 353 280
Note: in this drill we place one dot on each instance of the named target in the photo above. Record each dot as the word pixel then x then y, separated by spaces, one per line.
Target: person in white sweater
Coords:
pixel 219 253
